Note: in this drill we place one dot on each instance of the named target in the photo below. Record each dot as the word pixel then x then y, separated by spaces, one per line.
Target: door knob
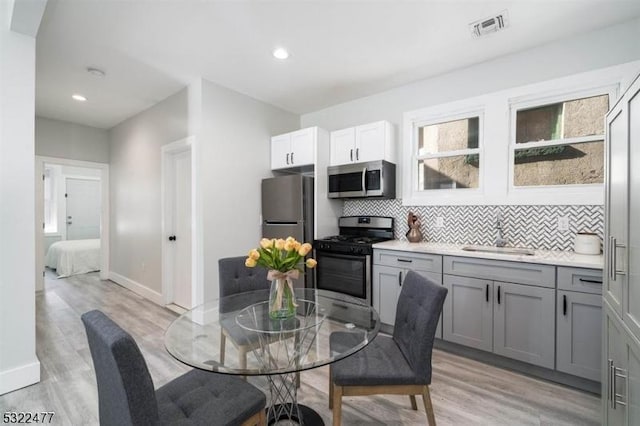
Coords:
pixel 172 238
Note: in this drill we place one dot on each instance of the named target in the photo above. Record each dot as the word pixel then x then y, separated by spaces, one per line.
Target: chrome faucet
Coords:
pixel 500 240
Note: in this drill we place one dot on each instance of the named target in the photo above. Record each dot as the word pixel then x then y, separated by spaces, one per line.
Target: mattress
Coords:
pixel 74 257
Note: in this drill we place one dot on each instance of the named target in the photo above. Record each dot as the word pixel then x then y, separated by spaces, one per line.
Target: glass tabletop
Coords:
pixel 235 335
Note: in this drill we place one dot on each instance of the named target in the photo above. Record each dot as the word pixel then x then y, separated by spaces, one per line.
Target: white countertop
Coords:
pixel 548 257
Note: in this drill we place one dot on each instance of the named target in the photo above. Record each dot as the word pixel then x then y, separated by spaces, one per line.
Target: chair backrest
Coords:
pixel 125 389
pixel 419 307
pixel 235 277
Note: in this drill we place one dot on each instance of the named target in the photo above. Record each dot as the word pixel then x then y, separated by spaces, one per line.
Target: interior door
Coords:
pixel 182 230
pixel 83 208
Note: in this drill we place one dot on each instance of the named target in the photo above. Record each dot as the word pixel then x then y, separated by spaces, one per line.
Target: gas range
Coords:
pixel 344 261
pixel 357 235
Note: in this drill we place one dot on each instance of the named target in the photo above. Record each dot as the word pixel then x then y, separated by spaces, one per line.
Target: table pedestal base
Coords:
pixel 284 403
pixel 300 414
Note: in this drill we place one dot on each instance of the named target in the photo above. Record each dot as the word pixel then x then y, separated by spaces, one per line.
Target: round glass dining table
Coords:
pixel 236 335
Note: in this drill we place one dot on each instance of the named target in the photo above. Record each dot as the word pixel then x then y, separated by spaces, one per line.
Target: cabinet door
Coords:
pixel 614 347
pixel 370 142
pixel 280 151
pixel 467 313
pixel 387 282
pixel 631 289
pixel 579 337
pixel 343 146
pixel 303 147
pixel 524 323
pixel 616 206
pixel 632 397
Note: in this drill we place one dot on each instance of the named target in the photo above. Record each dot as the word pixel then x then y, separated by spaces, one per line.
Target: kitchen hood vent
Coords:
pixel 489 25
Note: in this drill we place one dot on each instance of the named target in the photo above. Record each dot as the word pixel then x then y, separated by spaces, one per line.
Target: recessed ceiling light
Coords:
pixel 280 53
pixel 95 72
pixel 79 98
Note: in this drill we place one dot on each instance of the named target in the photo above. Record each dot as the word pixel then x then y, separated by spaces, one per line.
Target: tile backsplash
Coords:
pixel 523 226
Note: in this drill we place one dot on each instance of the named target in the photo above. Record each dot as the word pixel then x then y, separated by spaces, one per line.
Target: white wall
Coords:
pixel 610 46
pixel 61 139
pixel 235 157
pixel 135 189
pixel 19 365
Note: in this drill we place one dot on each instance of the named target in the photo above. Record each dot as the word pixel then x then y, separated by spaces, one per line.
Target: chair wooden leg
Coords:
pixel 242 354
pixel 337 405
pixel 223 340
pixel 428 407
pixel 414 404
pixel 330 390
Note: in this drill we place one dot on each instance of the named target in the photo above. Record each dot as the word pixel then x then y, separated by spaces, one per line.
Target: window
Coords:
pixel 447 154
pixel 50 208
pixel 559 143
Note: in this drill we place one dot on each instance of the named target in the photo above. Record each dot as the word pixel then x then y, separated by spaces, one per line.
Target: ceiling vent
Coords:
pixel 489 25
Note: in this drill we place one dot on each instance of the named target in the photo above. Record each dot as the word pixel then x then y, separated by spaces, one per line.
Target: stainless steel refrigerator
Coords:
pixel 287 210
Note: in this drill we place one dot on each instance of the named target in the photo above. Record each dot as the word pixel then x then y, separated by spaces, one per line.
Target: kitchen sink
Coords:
pixel 501 250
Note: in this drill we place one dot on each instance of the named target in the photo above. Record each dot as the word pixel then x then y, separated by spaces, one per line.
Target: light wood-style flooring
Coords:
pixel 464 392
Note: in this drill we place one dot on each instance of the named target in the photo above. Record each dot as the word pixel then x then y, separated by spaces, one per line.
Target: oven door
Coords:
pixel 344 274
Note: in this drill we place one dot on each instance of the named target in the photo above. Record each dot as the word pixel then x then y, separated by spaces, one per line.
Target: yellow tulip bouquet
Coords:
pixel 285 260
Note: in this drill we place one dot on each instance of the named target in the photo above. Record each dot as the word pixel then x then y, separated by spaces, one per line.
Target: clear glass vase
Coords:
pixel 282 301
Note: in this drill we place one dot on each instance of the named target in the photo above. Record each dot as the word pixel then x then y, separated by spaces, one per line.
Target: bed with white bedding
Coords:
pixel 72 257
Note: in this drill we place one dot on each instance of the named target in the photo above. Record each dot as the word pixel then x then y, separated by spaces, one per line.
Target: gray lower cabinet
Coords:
pixel 578 335
pixel 386 290
pixel 387 284
pixel 523 323
pixel 390 267
pixel 467 315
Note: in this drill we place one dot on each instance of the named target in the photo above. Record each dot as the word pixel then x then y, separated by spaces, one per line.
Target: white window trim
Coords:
pixel 413 122
pixel 556 194
pixel 496 154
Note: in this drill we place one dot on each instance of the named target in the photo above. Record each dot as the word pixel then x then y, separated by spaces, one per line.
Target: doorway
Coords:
pixel 71 188
pixel 177 224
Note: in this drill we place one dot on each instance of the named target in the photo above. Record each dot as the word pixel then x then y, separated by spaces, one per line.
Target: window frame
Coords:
pixel 429 117
pixel 555 193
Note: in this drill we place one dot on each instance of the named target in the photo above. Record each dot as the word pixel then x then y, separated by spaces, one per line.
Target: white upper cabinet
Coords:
pixel 294 149
pixel 368 142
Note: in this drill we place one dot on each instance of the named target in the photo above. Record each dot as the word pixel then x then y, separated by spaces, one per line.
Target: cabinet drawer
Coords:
pixel 408 260
pixel 499 270
pixel 580 279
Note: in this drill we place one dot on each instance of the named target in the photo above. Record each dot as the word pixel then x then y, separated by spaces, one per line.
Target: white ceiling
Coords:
pixel 339 50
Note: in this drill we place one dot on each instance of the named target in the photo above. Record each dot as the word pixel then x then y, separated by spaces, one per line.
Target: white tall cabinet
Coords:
pixel 621 292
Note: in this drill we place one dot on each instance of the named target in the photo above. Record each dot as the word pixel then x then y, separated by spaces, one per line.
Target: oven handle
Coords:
pixel 340 255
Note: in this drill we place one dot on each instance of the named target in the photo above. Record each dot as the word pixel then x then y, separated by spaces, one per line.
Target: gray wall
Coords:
pixel 135 245
pixel 610 46
pixel 235 147
pixel 62 139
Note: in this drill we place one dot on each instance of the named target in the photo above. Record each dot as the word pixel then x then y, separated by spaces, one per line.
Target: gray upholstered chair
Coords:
pixel 398 364
pixel 127 397
pixel 236 278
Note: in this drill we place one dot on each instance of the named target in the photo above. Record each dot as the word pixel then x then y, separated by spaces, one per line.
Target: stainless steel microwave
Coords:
pixel 374 179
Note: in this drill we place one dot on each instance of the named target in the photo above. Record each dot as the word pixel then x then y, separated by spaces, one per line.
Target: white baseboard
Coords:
pixel 137 288
pixel 19 377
